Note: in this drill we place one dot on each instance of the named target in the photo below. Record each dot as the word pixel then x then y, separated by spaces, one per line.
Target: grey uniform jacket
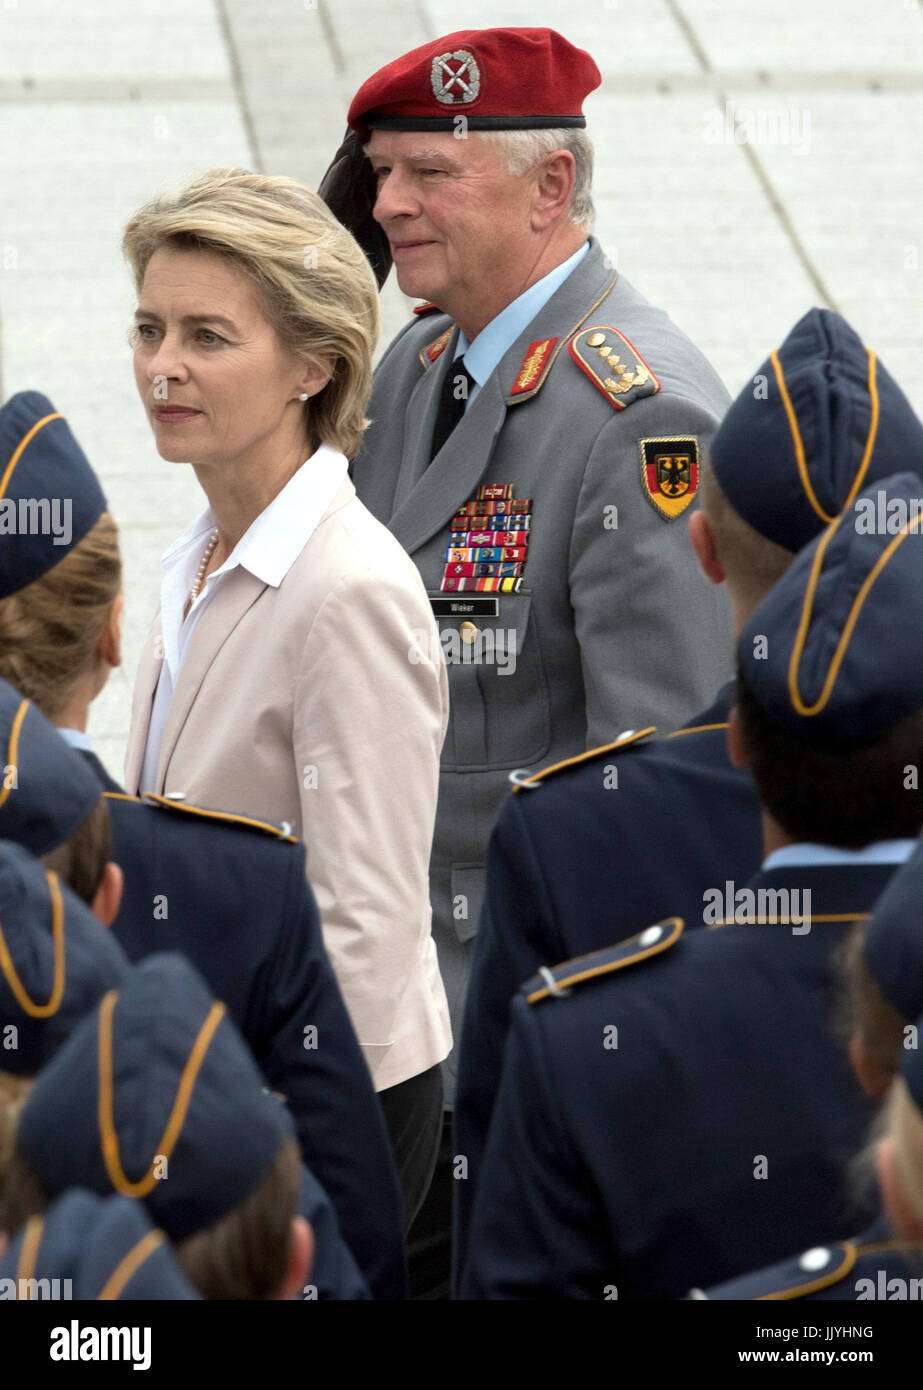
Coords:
pixel 612 626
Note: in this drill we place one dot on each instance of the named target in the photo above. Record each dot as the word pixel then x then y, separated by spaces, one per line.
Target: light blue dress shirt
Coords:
pixel 490 345
pixel 880 852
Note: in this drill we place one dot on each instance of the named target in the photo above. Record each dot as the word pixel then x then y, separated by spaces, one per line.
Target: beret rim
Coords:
pixel 473 122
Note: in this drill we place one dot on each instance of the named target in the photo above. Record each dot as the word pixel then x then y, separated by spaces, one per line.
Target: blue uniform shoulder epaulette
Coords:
pixel 613 364
pixel 520 778
pixel 556 982
pixel 819 1268
pixel 279 832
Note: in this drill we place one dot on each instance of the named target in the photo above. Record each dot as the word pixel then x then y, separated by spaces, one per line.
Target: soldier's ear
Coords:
pixel 737 751
pixel 300 1258
pixel 872 1079
pixel 703 543
pixel 108 897
pixel 902 1216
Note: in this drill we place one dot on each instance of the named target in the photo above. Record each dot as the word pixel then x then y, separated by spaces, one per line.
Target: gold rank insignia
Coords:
pixel 435 349
pixel 613 365
pixel 670 473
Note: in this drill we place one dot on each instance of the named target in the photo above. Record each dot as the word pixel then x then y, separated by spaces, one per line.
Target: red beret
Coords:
pixel 498 79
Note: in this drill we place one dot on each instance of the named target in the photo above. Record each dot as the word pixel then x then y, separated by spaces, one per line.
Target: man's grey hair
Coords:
pixel 521 150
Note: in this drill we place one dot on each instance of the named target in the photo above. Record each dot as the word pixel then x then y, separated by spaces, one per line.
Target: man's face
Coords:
pixel 458 224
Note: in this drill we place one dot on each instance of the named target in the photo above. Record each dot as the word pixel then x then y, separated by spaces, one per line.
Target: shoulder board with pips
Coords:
pixel 279 832
pixel 522 780
pixel 558 981
pixel 613 364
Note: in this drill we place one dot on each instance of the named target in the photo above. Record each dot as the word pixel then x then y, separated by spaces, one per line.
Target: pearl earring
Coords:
pixel 303 396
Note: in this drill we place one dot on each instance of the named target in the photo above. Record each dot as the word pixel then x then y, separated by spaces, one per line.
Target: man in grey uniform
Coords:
pixel 535 440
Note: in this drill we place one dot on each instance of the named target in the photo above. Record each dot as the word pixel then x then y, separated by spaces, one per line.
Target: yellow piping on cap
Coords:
pixel 20 448
pixel 108 1135
pixel 870 439
pixel 28 1005
pixel 808 711
pixel 13 745
pixel 799 445
pixel 129 1265
pixel 796 439
pixel 28 1254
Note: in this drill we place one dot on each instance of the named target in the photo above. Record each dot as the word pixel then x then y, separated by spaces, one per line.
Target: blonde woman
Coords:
pixel 292 673
pixel 237 900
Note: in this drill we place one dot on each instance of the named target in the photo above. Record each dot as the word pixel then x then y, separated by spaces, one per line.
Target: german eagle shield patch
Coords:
pixel 670 473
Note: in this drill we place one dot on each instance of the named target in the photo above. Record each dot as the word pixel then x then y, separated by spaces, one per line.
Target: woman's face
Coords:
pixel 215 381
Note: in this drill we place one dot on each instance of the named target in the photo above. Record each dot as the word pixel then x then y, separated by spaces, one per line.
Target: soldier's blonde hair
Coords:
pixel 49 629
pixel 905 1128
pixel 314 282
pixel 751 562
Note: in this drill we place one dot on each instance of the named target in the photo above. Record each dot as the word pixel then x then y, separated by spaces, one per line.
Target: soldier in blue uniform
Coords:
pixel 675 1110
pixel 228 891
pixel 95 1248
pixel 154 1096
pixel 596 847
pixel 885 959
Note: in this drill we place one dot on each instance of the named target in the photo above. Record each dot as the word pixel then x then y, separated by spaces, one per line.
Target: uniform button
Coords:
pixel 815 1259
pixel 647 938
pixel 596 340
pixel 468 632
pixel 174 796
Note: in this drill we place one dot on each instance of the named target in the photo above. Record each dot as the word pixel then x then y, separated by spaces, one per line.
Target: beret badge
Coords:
pixel 455 77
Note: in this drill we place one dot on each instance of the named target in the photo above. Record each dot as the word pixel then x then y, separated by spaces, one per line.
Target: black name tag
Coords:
pixel 477 606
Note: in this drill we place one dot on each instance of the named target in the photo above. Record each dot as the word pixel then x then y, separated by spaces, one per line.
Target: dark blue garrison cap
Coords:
pixel 105 1246
pixel 46 788
pixel 49 495
pixel 832 652
pixel 155 1096
pixel 893 944
pixel 56 962
pixel 829 421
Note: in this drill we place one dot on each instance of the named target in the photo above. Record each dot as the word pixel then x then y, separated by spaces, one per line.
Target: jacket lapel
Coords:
pixel 239 592
pixel 429 494
pixel 142 702
pixel 456 470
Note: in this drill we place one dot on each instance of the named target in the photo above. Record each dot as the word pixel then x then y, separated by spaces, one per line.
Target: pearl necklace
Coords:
pixel 200 572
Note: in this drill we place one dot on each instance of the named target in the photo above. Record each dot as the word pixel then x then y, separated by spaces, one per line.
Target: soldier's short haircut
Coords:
pixel 315 284
pixel 752 563
pixel 243 1256
pixel 82 859
pixel 842 797
pixel 521 150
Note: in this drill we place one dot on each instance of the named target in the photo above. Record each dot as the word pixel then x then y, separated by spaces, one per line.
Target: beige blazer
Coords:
pixel 324 703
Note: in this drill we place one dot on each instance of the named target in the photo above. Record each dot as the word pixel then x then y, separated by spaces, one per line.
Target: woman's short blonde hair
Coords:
pixel 316 286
